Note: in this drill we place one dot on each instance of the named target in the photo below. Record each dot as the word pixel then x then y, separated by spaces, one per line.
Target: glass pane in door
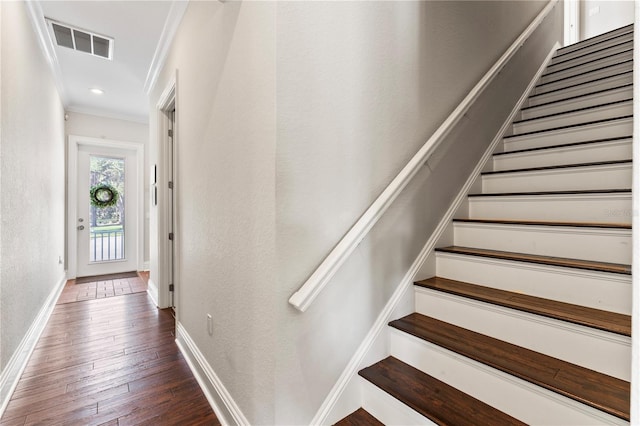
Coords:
pixel 106 210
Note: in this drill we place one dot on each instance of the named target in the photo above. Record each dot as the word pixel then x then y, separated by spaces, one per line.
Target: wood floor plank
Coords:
pixel 598 390
pixel 102 361
pixel 589 317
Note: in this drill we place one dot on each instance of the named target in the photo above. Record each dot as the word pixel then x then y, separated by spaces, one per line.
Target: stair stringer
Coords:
pixel 348 393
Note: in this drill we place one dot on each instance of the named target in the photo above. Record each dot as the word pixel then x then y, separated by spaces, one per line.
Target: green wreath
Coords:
pixel 103 195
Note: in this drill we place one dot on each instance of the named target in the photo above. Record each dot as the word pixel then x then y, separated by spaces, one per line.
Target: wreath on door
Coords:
pixel 103 195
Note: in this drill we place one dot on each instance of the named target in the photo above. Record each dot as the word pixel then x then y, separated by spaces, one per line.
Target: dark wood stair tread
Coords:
pixel 558 167
pixel 588 42
pixel 572 111
pixel 546 223
pixel 360 417
pixel 436 400
pixel 589 317
pixel 590 265
pixel 569 126
pixel 588 62
pixel 582 74
pixel 598 92
pixel 598 390
pixel 598 49
pixel 570 192
pixel 584 83
pixel 566 145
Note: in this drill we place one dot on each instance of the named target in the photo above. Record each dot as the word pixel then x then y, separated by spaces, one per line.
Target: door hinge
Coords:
pixel 171 236
pixel 170 287
pixel 170 185
pixel 170 133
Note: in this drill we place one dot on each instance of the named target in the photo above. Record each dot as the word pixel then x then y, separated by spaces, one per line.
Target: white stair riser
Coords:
pixel 578 103
pixel 606 291
pixel 582 89
pixel 598 208
pixel 565 179
pixel 607 353
pixel 518 398
pixel 595 42
pixel 581 133
pixel 589 77
pixel 605 151
pixel 596 54
pixel 591 66
pixel 572 118
pixel 598 244
pixel 388 409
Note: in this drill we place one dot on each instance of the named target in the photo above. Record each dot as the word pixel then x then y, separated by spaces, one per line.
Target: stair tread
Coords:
pixel 360 417
pixel 588 41
pixel 584 83
pixel 589 317
pixel 543 117
pixel 597 92
pixel 547 223
pixel 571 126
pixel 598 390
pixel 590 265
pixel 587 62
pixel 566 145
pixel 597 50
pixel 562 166
pixel 577 192
pixel 434 399
pixel 627 61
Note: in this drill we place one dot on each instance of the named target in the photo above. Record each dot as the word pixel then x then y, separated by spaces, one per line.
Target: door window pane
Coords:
pixel 106 212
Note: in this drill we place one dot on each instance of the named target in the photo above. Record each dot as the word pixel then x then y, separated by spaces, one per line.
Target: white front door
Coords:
pixel 107 210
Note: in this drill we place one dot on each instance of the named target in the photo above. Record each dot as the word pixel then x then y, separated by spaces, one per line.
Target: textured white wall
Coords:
pixel 33 179
pixel 600 16
pixel 292 117
pixel 121 130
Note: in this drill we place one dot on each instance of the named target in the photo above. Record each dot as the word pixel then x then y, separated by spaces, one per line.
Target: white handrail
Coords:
pixel 302 298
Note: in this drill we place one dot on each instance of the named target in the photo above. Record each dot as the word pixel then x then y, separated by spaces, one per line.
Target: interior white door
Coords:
pixel 107 210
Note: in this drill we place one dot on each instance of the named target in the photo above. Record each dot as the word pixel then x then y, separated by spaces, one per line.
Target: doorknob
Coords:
pixel 80 228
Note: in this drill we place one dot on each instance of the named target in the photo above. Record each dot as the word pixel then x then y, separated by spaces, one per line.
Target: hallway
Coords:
pixel 108 361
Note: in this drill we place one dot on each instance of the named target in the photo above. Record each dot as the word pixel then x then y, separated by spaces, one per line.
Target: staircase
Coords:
pixel 528 319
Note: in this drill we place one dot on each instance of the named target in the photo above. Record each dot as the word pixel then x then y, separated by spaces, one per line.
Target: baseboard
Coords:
pixel 338 403
pixel 11 374
pixel 219 398
pixel 145 266
pixel 152 291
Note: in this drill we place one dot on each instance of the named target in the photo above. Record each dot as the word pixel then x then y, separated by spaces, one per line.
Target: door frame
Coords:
pixel 571 22
pixel 74 143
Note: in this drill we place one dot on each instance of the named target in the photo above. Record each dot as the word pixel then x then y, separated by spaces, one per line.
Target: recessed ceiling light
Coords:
pixel 96 91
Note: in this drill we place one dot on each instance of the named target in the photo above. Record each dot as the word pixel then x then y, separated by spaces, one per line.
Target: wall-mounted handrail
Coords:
pixel 303 298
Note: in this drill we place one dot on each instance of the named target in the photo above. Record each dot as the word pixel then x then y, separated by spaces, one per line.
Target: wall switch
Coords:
pixel 209 324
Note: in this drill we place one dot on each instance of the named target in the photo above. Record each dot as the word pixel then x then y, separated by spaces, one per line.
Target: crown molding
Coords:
pixel 108 114
pixel 174 17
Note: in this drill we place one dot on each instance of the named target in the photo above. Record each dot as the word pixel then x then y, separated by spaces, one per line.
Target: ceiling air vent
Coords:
pixel 81 40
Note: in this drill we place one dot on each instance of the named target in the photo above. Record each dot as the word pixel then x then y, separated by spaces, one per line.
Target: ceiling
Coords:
pixel 142 32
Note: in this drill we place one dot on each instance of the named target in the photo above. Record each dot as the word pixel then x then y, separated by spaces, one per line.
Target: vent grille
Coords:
pixel 81 40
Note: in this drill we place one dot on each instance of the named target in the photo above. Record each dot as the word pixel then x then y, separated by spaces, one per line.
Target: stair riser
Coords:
pixel 603 245
pixel 605 151
pixel 570 119
pixel 567 179
pixel 583 78
pixel 574 104
pixel 619 47
pixel 609 129
pixel 583 89
pixel 590 66
pixel 606 291
pixel 594 43
pixel 520 399
pixel 388 409
pixel 597 350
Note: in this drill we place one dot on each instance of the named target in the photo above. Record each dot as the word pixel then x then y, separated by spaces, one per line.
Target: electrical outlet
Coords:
pixel 210 324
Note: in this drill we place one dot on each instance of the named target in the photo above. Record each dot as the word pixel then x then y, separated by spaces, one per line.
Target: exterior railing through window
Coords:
pixel 106 245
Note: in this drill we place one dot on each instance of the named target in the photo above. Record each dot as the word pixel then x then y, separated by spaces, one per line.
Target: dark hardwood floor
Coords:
pixel 110 361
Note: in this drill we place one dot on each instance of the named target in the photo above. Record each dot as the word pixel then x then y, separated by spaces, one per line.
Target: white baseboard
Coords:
pixel 338 402
pixel 219 398
pixel 145 266
pixel 11 374
pixel 152 291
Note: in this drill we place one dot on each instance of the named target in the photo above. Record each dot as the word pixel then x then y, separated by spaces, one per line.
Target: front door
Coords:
pixel 107 210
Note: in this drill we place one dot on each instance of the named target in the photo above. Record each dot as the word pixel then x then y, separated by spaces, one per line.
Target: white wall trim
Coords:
pixel 303 298
pixel 214 390
pixel 383 319
pixel 145 266
pixel 18 362
pixel 635 236
pixel 36 16
pixel 108 114
pixel 571 22
pixel 174 17
pixel 72 198
pixel 152 291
